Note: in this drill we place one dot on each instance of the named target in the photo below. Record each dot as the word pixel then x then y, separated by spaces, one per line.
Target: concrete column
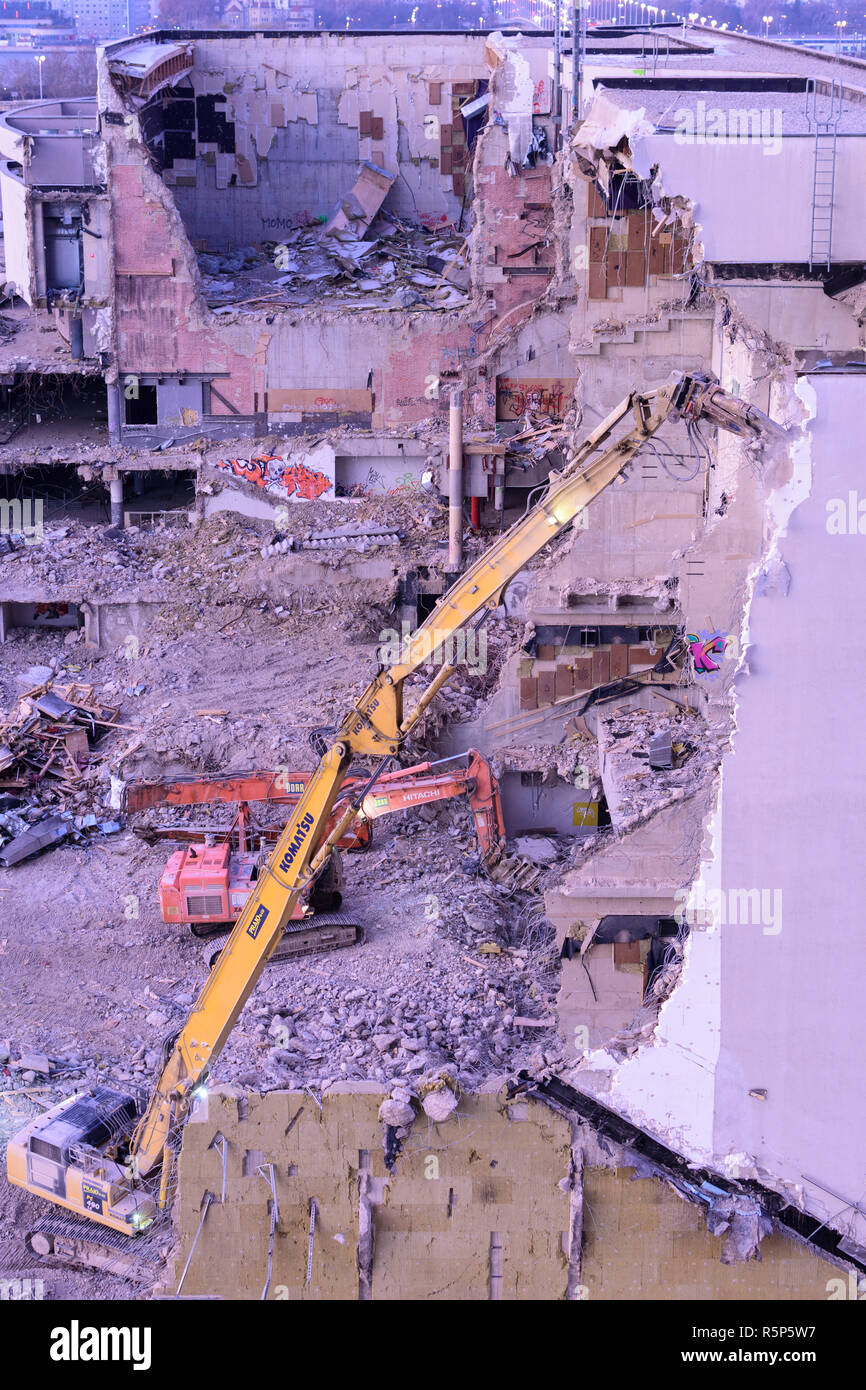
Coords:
pixel 116 490
pixel 91 624
pixel 113 401
pixel 455 483
pixel 576 64
pixel 4 621
pixel 499 485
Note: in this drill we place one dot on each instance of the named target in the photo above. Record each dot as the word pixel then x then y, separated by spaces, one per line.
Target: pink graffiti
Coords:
pixel 704 648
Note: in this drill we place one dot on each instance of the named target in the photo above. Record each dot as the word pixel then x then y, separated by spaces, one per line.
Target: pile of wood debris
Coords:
pixel 49 750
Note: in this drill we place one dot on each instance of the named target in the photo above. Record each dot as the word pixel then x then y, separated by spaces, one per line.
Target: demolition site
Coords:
pixel 422 700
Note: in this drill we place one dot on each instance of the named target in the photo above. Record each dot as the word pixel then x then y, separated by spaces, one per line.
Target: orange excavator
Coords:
pixel 208 884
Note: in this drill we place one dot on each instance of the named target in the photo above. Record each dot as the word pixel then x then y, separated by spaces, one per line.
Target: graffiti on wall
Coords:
pixel 547 396
pixel 375 485
pixel 707 649
pixel 279 476
pixel 540 97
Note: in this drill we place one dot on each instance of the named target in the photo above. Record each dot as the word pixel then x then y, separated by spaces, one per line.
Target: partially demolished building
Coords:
pixel 279 271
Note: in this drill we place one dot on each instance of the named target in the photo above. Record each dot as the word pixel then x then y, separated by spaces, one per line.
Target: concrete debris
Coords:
pixel 348 537
pixel 743 1223
pixel 634 786
pixel 439 1106
pixel 49 755
pixel 536 848
pixel 356 211
pixel 398 1113
pixel 390 268
pixel 34 675
pixel 439 1096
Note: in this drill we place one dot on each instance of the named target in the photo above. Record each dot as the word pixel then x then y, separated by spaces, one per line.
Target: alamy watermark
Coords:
pixel 846 516
pixel 712 125
pixel 755 907
pixel 449 648
pixel 21 1289
pixel 19 518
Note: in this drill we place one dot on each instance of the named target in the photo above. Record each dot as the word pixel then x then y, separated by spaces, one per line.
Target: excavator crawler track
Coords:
pixel 330 931
pixel 70 1241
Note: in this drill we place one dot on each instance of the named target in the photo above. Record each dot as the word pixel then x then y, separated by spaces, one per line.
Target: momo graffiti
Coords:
pixel 279 476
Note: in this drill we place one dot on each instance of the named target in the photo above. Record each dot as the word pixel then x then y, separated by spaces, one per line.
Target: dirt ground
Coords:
pixel 91 976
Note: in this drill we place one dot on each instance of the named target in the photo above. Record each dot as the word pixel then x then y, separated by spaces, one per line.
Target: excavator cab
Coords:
pixel 207 886
pixel 75 1154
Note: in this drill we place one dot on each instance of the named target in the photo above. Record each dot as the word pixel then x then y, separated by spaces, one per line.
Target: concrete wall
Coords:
pixel 772 983
pixel 486 1192
pixel 379 474
pixel 294 106
pixel 753 206
pixel 677 1259
pixel 109 624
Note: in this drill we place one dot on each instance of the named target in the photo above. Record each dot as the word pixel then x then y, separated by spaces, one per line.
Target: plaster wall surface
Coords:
pixel 767 998
pixel 789 997
pixel 755 206
pixel 17 247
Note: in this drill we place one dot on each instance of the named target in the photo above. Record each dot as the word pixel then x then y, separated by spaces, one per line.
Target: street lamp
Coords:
pixel 767 20
pixel 40 59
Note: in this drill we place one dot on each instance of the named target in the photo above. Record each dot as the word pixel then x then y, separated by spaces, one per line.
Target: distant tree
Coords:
pixel 63 75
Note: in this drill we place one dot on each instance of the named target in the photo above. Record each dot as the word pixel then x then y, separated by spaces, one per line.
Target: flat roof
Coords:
pixel 662 103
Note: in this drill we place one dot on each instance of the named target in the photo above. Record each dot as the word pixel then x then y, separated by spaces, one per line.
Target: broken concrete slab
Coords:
pixel 358 208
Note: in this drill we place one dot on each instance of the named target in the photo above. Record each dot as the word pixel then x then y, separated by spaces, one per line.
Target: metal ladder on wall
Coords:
pixel 823 117
pixel 659 47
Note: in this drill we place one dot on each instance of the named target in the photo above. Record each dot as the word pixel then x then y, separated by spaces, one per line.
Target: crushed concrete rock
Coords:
pixel 418 996
pixel 395 266
pixel 634 789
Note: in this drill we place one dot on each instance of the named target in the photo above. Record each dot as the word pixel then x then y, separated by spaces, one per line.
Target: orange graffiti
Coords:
pixel 274 473
pixel 251 470
pixel 308 483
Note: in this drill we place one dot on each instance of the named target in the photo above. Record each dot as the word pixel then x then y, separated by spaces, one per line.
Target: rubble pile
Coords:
pixel 396 267
pixel 452 974
pixel 49 750
pixel 651 759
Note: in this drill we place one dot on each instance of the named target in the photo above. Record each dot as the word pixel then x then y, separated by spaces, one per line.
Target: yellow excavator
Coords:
pixel 111 1165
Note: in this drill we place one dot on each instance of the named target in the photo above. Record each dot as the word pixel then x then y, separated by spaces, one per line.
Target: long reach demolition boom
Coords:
pixel 94 1154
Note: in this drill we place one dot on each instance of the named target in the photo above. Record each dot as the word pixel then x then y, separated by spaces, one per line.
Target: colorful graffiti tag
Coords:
pixel 279 476
pixel 705 647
